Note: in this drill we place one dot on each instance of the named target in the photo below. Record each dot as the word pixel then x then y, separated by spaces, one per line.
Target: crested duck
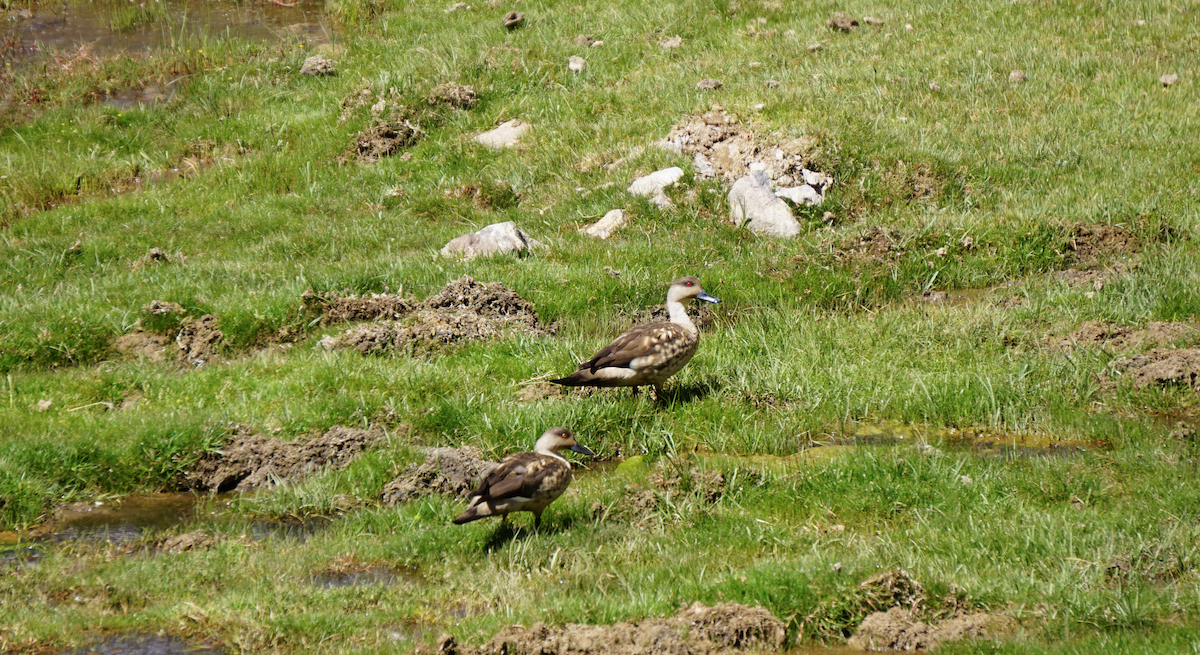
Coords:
pixel 648 353
pixel 525 482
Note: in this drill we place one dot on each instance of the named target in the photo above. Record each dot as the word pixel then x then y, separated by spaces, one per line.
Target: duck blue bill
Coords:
pixel 707 298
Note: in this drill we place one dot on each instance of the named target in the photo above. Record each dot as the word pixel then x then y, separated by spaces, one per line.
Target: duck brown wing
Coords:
pixel 519 475
pixel 639 341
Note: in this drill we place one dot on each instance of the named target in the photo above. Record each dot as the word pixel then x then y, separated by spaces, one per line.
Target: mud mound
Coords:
pixel 252 460
pixel 696 630
pixel 446 472
pixel 381 138
pixel 1158 368
pixel 838 618
pixel 464 310
pixel 141 344
pixel 898 629
pixel 1118 337
pixel 199 340
pixel 1092 244
pixel 453 94
pixel 720 142
pixel 195 540
pixel 335 308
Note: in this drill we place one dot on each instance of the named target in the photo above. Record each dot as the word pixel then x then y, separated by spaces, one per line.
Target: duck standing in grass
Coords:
pixel 525 482
pixel 648 353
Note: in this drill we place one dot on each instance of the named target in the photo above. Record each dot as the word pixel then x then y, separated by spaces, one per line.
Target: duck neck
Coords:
pixel 551 453
pixel 679 316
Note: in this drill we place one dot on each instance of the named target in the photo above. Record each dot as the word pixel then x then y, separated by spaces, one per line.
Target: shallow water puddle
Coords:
pixel 143 644
pixel 124 520
pixel 110 27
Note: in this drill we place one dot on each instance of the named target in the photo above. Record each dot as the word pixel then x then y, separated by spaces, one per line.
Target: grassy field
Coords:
pixel 821 355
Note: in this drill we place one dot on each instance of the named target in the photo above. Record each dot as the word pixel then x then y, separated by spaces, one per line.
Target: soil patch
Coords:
pixel 885 611
pixel 199 340
pixel 454 95
pixel 250 460
pixel 333 307
pixel 141 344
pixel 877 245
pixel 195 540
pixel 1096 279
pixel 381 138
pixel 899 629
pixel 446 472
pixel 695 630
pixel 1118 337
pixel 1157 368
pixel 464 310
pixel 720 141
pixel 1091 245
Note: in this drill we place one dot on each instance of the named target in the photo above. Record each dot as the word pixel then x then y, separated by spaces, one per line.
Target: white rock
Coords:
pixel 819 181
pixel 505 135
pixel 604 227
pixel 576 64
pixel 704 168
pixel 598 43
pixel 495 239
pixel 671 43
pixel 752 203
pixel 653 183
pixel 800 195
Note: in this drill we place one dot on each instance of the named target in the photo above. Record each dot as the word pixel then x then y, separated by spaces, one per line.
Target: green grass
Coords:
pixel 979 182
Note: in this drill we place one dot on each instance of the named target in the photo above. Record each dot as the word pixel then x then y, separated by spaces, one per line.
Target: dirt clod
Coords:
pixel 453 94
pixel 140 344
pixel 1118 337
pixel 841 22
pixel 512 20
pixel 876 245
pixel 695 630
pixel 446 471
pixel 250 459
pixel 381 138
pixel 336 308
pixel 195 540
pixel 463 310
pixel 899 629
pixel 1158 368
pixel 199 340
pixel 1092 245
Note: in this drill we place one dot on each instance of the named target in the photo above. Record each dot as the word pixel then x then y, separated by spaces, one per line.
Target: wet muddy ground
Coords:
pixel 108 28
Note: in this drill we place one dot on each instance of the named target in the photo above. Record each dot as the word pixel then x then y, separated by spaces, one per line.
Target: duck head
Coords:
pixel 556 439
pixel 686 288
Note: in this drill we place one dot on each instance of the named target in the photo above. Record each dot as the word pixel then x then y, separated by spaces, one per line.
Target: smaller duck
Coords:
pixel 525 482
pixel 648 353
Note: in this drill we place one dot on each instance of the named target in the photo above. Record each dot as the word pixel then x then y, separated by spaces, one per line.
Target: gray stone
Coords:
pixel 752 203
pixel 318 65
pixel 704 168
pixel 1016 77
pixel 652 185
pixel 495 239
pixel 576 64
pixel 800 195
pixel 604 227
pixel 709 84
pixel 506 135
pixel 671 43
pixel 1169 79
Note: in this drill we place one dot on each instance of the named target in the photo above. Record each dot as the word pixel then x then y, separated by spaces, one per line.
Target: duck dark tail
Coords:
pixel 580 378
pixel 466 517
